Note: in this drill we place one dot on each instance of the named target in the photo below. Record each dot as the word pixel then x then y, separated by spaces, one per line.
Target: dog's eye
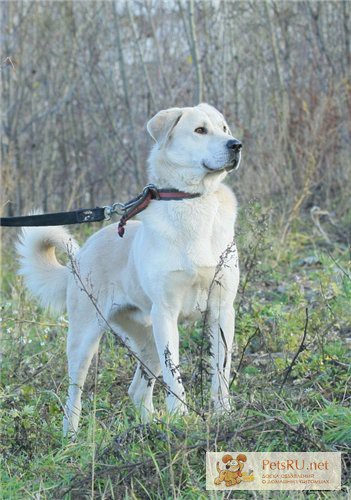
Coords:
pixel 225 129
pixel 201 130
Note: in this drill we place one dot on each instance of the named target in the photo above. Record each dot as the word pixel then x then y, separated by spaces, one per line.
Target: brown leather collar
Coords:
pixel 142 201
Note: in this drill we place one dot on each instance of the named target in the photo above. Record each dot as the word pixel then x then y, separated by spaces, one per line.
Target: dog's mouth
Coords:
pixel 229 167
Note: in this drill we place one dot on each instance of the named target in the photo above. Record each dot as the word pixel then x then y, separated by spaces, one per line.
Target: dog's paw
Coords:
pixel 69 432
pixel 146 413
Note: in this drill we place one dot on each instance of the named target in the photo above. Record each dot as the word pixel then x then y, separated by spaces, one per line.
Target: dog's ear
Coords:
pixel 241 458
pixel 227 458
pixel 161 125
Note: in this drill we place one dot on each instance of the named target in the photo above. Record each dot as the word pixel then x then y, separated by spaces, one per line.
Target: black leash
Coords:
pixel 98 214
pixel 57 219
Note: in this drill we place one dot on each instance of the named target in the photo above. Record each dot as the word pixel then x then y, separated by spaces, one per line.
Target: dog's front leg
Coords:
pixel 222 335
pixel 165 329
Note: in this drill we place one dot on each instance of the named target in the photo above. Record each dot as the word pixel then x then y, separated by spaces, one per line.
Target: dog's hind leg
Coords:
pixel 141 388
pixel 81 348
pixel 141 341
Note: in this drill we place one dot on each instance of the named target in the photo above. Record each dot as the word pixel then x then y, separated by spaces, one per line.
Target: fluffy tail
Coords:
pixel 44 276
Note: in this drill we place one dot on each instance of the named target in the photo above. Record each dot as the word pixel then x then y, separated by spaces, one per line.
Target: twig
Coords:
pixel 301 348
pixel 33 375
pixel 315 213
pixel 348 276
pixel 297 430
pixel 242 355
pixel 8 62
pixel 228 252
pixel 250 264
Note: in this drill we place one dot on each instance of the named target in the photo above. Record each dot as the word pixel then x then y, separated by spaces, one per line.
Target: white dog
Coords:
pixel 164 270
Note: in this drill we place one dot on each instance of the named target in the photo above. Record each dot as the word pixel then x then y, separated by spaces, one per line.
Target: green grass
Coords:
pixel 114 455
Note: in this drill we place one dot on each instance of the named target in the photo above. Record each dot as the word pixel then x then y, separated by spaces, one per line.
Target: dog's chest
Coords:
pixel 196 233
pixel 196 293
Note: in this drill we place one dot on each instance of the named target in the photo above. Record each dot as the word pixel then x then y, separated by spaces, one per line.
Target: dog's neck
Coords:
pixel 165 174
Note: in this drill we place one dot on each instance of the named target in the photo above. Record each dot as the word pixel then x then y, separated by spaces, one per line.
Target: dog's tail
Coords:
pixel 44 276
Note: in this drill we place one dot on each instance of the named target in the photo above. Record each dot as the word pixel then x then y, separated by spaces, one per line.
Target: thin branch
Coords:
pixel 256 332
pixel 227 254
pixel 301 348
pixel 346 274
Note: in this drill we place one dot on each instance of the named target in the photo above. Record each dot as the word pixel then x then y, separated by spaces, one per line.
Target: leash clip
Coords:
pixel 122 208
pixel 116 208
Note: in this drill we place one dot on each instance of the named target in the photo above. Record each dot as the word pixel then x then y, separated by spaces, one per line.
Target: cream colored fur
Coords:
pixel 160 273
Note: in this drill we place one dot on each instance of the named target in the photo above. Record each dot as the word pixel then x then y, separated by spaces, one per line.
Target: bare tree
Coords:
pixel 80 80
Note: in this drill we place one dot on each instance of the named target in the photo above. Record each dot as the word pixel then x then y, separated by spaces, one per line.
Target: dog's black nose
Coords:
pixel 234 145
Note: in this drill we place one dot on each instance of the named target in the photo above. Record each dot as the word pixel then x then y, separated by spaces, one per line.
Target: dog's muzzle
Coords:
pixel 232 165
pixel 234 148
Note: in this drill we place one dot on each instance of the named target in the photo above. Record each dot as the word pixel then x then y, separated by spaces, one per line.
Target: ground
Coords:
pixel 290 380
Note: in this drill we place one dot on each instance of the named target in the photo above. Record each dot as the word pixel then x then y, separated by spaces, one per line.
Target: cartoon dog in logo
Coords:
pixel 232 474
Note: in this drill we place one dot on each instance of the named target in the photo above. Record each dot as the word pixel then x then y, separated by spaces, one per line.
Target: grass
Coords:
pixel 115 456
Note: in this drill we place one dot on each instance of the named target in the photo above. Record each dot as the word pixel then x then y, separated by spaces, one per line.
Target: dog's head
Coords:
pixel 195 143
pixel 232 464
